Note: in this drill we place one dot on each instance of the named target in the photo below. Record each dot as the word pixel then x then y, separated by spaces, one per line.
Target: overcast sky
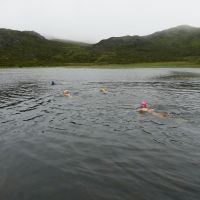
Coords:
pixel 93 20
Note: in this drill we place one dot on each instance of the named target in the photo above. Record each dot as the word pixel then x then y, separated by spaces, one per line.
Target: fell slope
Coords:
pixel 28 48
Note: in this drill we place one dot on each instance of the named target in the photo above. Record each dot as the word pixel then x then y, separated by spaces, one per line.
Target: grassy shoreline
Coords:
pixel 117 66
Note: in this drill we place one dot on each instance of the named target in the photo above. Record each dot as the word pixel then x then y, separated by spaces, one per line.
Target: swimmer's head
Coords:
pixel 143 104
pixel 66 93
pixel 104 90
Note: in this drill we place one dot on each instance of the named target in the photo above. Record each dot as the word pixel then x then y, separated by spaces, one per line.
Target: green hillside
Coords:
pixel 181 43
pixel 27 48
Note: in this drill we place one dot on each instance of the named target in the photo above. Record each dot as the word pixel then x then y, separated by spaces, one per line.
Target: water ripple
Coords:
pixel 95 146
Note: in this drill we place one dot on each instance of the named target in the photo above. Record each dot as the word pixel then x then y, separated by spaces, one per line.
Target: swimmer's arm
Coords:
pixel 144 110
pixel 161 115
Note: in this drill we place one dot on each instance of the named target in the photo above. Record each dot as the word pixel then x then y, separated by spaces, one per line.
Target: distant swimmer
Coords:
pixel 144 108
pixel 104 90
pixel 66 93
pixel 52 83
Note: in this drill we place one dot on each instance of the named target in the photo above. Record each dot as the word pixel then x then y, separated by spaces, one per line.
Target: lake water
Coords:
pixel 93 146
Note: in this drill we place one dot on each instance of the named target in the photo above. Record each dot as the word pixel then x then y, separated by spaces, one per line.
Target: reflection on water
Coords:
pixel 96 146
pixel 180 75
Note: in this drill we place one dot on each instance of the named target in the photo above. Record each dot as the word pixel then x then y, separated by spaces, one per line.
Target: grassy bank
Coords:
pixel 103 65
pixel 139 65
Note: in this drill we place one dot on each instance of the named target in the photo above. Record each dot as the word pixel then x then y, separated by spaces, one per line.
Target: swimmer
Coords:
pixel 104 90
pixel 66 93
pixel 52 83
pixel 144 108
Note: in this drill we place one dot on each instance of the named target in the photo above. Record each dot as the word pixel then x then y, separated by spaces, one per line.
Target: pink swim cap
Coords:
pixel 143 104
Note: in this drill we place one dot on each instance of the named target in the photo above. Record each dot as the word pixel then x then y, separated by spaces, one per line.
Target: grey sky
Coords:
pixel 93 20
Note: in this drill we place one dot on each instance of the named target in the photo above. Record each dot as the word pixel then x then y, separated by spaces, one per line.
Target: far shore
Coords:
pixel 111 66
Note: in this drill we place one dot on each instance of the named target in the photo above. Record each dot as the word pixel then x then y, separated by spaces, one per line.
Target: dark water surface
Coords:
pixel 97 147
